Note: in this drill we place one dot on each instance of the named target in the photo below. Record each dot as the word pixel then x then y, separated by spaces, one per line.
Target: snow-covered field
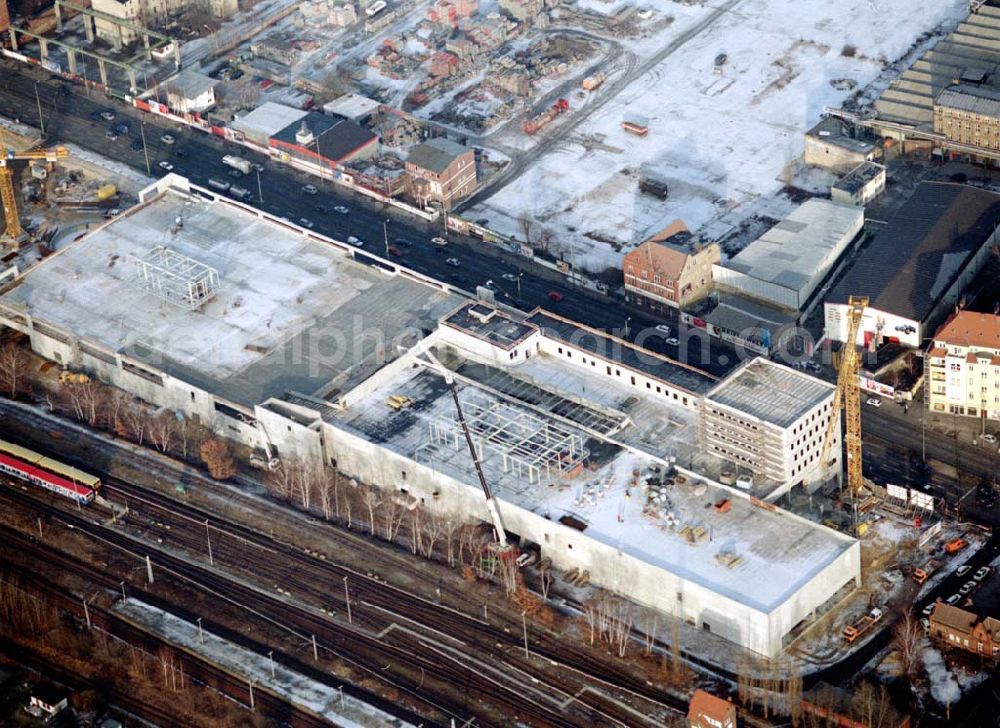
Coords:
pixel 721 142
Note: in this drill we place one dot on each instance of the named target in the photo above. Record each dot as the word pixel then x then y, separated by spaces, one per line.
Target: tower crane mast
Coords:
pixel 12 222
pixel 848 397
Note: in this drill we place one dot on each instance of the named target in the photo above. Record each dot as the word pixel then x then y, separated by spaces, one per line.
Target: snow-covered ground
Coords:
pixel 298 689
pixel 721 142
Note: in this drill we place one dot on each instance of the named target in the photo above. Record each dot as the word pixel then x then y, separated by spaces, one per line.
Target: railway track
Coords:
pixel 414 662
pixel 197 668
pixel 382 605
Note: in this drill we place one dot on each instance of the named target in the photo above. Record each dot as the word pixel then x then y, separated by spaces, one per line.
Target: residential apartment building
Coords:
pixel 441 171
pixel 771 420
pixel 962 368
pixel 969 114
pixel 966 630
pixel 707 711
pixel 661 273
pixel 146 13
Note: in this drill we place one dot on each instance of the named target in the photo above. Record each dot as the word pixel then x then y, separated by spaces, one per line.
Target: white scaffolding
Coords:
pixel 176 278
pixel 527 445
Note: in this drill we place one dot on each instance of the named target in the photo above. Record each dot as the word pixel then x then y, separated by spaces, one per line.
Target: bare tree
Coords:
pixel 136 419
pixel 907 640
pixel 392 517
pixel 283 481
pixel 415 530
pixel 507 569
pixel 325 490
pixel 870 705
pixel 545 238
pixel 13 368
pixel 162 429
pixel 372 498
pixel 434 529
pixel 545 577
pixel 527 226
pixel 650 627
pixel 452 531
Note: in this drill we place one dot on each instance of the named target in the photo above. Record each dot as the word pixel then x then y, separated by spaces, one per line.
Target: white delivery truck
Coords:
pixel 243 165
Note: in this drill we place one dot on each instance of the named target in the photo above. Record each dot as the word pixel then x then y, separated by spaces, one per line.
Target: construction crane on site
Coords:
pixel 12 220
pixel 848 397
pixel 491 504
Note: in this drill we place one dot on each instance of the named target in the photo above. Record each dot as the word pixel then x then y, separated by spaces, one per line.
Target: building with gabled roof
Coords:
pixel 441 171
pixel 707 711
pixel 965 630
pixel 668 270
pixel 962 367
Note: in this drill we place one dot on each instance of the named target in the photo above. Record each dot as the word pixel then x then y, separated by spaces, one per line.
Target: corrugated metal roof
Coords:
pixel 984 100
pixel 914 259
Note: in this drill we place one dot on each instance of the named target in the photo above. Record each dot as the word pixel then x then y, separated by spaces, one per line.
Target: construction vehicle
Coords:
pixel 592 82
pixel 502 546
pixel 955 545
pixel 12 220
pixel 922 574
pixel 69 377
pixel 853 631
pixel 399 402
pixel 848 398
pixel 634 124
pixel 537 122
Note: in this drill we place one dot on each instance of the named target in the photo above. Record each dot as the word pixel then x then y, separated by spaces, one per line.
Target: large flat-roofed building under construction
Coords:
pixel 589 444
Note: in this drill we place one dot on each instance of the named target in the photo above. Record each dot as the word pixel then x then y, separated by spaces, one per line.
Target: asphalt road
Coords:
pixel 68 115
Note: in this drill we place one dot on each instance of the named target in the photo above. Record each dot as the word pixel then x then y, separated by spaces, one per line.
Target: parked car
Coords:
pixel 309 189
pixel 121 128
pixel 167 166
pixel 340 208
pixel 107 115
pixel 393 250
pixel 962 570
pixel 926 611
pixel 555 296
pixel 110 135
pixel 672 341
pixel 235 173
pixel 967 587
pixel 981 573
pixel 306 223
pixel 404 243
pixel 167 138
pixel 181 153
pixel 874 402
pixel 438 240
pixel 509 277
pixel 953 599
pixel 990 437
pixel 356 241
pixel 136 145
pixel 926 624
pixel 663 329
pixel 453 262
pixel 526 559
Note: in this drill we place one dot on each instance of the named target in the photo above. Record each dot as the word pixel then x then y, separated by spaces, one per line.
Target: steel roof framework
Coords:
pixel 176 278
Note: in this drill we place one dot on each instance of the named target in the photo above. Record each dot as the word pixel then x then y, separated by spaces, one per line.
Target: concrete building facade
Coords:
pixel 146 13
pixel 859 186
pixel 190 92
pixel 660 274
pixel 831 145
pixel 784 266
pixel 557 411
pixel 962 367
pixel 969 114
pixel 441 171
pixel 772 420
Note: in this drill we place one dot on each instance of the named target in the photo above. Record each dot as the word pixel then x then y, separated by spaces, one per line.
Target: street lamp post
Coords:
pixel 519 274
pixel 628 319
pixel 38 100
pixel 260 191
pixel 145 150
pixel 385 235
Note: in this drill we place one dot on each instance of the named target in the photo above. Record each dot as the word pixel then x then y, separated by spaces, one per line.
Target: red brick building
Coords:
pixel 441 171
pixel 663 272
pixel 966 630
pixel 4 16
pixel 708 711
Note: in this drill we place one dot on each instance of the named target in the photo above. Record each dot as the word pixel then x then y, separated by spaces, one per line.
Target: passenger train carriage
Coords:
pixel 67 481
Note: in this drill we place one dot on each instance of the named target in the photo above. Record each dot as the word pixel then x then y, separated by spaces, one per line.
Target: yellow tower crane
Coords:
pixel 11 217
pixel 848 397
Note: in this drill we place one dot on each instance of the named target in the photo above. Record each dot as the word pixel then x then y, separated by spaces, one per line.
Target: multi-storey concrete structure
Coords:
pixel 441 171
pixel 969 114
pixel 963 366
pixel 147 13
pixel 859 186
pixel 585 439
pixel 830 144
pixel 771 420
pixel 190 92
pixel 660 274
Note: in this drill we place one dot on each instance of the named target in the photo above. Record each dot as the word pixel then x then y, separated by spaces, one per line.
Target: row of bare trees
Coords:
pixel 774 687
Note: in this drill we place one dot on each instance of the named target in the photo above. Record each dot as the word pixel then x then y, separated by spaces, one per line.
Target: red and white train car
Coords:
pixel 25 464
